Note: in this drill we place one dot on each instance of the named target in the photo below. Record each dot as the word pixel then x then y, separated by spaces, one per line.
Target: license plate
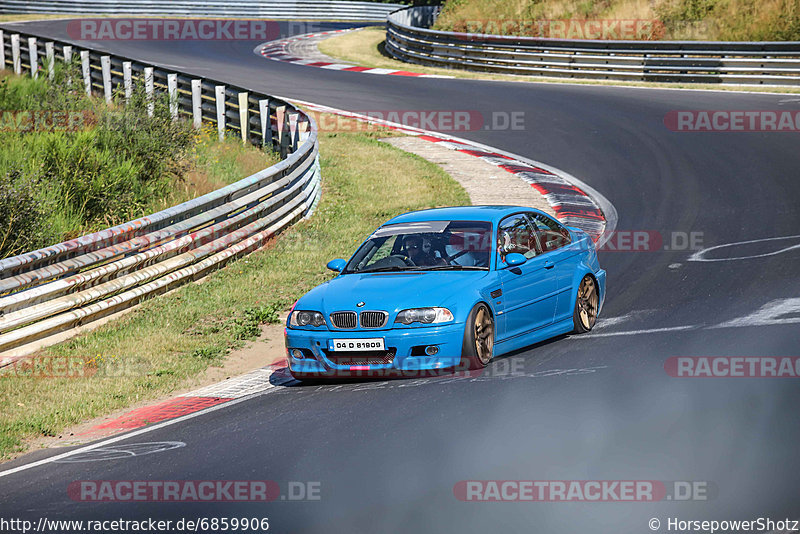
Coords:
pixel 347 345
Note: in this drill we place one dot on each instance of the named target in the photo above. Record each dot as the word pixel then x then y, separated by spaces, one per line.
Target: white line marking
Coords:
pixel 780 311
pixel 638 332
pixel 379 71
pixel 130 434
pixel 129 451
pixel 337 66
pixel 605 322
pixel 699 255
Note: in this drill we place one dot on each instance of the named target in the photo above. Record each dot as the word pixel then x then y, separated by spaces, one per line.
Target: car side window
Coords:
pixel 550 235
pixel 515 234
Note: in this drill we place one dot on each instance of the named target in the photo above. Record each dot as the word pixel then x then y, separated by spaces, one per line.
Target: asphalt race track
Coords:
pixel 597 407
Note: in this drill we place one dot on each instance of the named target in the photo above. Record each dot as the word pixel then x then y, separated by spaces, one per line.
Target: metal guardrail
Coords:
pixel 273 9
pixel 751 63
pixel 48 291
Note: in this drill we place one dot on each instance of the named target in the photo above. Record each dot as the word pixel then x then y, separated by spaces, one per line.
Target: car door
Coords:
pixel 554 243
pixel 529 290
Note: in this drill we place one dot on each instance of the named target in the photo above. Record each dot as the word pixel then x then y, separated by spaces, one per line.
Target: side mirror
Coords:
pixel 515 259
pixel 338 265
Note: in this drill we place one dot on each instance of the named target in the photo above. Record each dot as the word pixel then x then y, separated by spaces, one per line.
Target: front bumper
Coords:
pixel 404 343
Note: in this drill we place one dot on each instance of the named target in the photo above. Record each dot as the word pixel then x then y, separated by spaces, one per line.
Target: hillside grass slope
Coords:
pixel 713 20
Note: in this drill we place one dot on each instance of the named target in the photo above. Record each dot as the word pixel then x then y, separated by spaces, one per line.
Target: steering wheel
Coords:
pixel 405 259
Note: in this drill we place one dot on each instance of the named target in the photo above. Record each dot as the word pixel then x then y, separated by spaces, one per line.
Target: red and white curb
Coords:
pixel 574 202
pixel 278 51
pixel 572 205
pixel 238 387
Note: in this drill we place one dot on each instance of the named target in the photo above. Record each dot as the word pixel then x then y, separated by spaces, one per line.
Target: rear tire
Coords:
pixel 478 345
pixel 584 316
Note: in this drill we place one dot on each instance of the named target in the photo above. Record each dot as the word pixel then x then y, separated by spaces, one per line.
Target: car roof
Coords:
pixel 460 213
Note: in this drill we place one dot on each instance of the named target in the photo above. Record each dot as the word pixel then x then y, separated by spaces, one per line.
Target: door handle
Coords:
pixel 549 264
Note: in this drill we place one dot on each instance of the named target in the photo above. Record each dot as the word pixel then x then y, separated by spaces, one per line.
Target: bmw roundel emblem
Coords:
pixel 361 304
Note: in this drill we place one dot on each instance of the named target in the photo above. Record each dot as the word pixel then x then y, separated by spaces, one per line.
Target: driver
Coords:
pixel 419 253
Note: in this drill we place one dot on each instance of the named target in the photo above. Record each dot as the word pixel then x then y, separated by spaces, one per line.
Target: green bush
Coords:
pixel 60 180
pixel 23 215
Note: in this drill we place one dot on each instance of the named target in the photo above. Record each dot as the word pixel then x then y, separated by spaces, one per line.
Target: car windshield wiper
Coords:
pixel 452 268
pixel 383 270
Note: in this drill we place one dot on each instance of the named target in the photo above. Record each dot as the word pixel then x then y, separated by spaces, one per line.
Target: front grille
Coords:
pixel 374 357
pixel 344 319
pixel 373 319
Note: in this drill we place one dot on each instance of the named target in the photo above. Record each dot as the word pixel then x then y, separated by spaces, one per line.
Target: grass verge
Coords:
pixel 705 20
pixel 367 48
pixel 162 344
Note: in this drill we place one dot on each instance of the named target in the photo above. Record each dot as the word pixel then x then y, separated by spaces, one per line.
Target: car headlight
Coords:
pixel 306 318
pixel 424 315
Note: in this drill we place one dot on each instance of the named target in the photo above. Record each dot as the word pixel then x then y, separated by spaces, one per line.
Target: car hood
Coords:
pixel 391 292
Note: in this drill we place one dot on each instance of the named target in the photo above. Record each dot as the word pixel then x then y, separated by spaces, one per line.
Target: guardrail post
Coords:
pixel 148 90
pixel 127 79
pixel 266 123
pixel 105 66
pixel 16 60
pixel 68 62
pixel 316 170
pixel 33 55
pixel 280 123
pixel 304 126
pixel 172 90
pixel 219 94
pixel 50 55
pixel 87 75
pixel 293 131
pixel 2 50
pixel 244 117
pixel 197 103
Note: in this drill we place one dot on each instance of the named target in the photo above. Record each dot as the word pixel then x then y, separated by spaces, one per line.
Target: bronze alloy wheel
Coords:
pixel 586 305
pixel 484 334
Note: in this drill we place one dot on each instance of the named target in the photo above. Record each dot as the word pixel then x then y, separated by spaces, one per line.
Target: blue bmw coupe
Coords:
pixel 446 288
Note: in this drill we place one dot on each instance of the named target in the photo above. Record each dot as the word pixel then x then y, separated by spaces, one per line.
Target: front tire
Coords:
pixel 587 300
pixel 478 345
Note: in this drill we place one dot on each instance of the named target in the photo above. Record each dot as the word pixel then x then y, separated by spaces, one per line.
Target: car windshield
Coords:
pixel 425 246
